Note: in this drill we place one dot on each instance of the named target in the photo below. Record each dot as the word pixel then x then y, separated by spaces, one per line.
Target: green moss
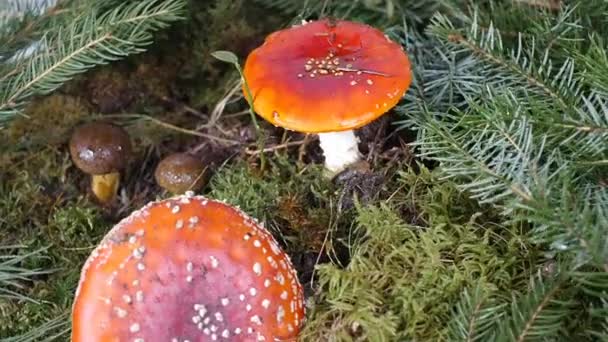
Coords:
pixel 41 207
pixel 238 26
pixel 403 279
pixel 48 120
pixel 295 202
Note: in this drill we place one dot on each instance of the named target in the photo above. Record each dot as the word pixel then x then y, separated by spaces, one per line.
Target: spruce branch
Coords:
pixel 378 12
pixel 492 158
pixel 538 314
pixel 93 39
pixel 475 316
pixel 519 67
pixel 595 64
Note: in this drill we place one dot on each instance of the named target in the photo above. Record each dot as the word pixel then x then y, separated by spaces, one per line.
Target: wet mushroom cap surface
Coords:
pixel 188 269
pixel 180 172
pixel 326 76
pixel 100 148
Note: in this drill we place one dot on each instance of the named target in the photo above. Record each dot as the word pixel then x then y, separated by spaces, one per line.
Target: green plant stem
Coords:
pixel 260 136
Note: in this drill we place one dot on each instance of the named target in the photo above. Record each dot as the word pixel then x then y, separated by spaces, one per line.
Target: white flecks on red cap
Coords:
pixel 213 279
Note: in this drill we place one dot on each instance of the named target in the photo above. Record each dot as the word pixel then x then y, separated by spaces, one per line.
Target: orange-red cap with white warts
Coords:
pixel 326 76
pixel 188 269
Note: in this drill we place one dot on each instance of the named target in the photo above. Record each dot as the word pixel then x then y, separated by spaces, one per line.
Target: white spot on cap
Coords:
pixel 139 296
pixel 265 303
pixel 242 297
pixel 189 267
pixel 175 209
pixel 280 314
pixel 134 328
pixel 257 268
pixel 179 224
pixel 214 262
pixel 225 333
pixel 267 283
pixel 193 221
pixel 225 301
pixel 253 291
pixel 219 317
pixel 284 295
pixel 121 313
pixel 256 319
pixel 237 331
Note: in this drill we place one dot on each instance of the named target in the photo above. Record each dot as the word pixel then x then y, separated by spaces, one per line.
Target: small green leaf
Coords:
pixel 226 56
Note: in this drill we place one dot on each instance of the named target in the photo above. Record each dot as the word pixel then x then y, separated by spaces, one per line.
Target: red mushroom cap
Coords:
pixel 187 269
pixel 326 76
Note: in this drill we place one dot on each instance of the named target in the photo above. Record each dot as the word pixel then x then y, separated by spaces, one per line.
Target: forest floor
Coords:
pixel 356 239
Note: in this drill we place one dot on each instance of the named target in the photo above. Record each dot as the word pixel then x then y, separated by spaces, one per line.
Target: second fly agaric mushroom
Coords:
pixel 188 269
pixel 180 172
pixel 327 77
pixel 101 150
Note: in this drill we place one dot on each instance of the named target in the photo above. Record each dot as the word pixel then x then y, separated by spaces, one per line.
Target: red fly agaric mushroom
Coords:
pixel 327 77
pixel 187 269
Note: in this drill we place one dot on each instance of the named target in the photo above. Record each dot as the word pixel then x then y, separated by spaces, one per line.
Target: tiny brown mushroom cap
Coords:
pixel 100 148
pixel 180 172
pixel 188 268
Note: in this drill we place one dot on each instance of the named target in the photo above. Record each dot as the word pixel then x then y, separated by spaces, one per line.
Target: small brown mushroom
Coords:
pixel 101 150
pixel 180 172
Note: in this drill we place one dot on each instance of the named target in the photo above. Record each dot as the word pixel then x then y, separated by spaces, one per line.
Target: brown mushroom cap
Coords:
pixel 188 269
pixel 100 148
pixel 179 173
pixel 326 76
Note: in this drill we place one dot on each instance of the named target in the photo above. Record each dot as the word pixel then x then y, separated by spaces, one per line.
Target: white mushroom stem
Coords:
pixel 340 150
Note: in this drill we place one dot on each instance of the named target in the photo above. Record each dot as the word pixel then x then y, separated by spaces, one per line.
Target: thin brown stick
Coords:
pixel 275 147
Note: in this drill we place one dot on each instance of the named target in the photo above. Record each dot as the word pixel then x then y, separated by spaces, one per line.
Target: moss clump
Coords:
pixel 403 279
pixel 42 208
pixel 298 203
pixel 48 120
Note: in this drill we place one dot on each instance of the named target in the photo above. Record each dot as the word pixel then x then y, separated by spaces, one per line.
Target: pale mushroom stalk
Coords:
pixel 105 186
pixel 340 150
